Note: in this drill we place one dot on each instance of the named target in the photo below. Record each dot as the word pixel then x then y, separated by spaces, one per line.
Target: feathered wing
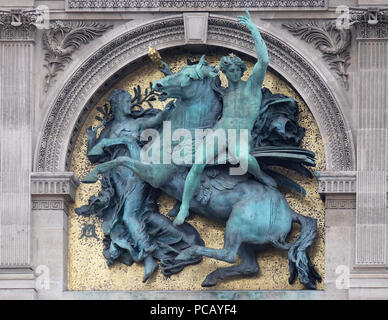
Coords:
pixel 289 157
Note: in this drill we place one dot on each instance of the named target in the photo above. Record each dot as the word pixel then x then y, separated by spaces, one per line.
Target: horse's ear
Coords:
pixel 210 72
pixel 213 73
pixel 202 61
pixel 198 67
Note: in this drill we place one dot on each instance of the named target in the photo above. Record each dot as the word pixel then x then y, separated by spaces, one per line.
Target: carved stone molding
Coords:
pixel 17 24
pixel 340 204
pixel 48 205
pixel 195 27
pixel 371 23
pixel 333 43
pixel 336 182
pixel 76 97
pixel 175 5
pixel 62 184
pixel 62 39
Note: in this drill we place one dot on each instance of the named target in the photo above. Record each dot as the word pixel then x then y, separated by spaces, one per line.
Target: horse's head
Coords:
pixel 185 83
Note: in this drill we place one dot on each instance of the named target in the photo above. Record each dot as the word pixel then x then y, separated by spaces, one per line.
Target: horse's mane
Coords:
pixel 215 81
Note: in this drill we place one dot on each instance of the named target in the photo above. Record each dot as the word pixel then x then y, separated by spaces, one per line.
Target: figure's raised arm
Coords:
pixel 261 65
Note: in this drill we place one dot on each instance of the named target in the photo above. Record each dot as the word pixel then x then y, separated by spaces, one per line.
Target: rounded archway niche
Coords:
pixel 115 59
pixel 87 268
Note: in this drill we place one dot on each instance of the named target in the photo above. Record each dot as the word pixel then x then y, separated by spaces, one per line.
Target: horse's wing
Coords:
pixel 289 157
pixel 284 181
pixel 284 154
pixel 220 179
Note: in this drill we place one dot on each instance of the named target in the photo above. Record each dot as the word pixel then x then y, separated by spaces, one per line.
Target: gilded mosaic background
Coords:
pixel 87 269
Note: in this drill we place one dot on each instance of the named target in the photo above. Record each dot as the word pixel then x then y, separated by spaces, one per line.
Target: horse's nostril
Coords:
pixel 158 85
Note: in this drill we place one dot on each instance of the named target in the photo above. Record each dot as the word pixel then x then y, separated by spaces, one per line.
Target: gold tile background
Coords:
pixel 87 268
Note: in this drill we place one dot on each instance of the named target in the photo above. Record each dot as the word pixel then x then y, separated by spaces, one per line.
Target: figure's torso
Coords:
pixel 241 107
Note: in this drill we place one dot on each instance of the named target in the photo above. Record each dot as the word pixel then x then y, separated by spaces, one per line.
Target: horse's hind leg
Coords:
pixel 233 238
pixel 248 267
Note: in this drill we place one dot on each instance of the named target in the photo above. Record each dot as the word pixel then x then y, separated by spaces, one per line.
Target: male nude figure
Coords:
pixel 241 107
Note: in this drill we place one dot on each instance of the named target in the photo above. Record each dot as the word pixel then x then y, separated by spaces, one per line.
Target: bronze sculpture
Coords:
pixel 256 215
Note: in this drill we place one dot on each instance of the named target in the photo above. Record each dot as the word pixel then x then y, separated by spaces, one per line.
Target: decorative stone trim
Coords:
pixel 175 5
pixel 360 18
pixel 333 43
pixel 195 27
pixel 17 24
pixel 53 184
pixel 17 279
pixel 48 205
pixel 62 39
pixel 340 204
pixel 66 112
pixel 336 182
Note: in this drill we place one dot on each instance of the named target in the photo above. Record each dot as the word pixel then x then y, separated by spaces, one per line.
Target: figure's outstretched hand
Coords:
pixel 246 21
pixel 165 69
pixel 169 107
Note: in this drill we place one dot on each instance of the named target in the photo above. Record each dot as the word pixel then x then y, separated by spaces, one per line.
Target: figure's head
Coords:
pixel 184 84
pixel 120 102
pixel 233 67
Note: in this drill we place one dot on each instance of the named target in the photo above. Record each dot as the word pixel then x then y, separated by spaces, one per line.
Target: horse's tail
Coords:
pixel 299 260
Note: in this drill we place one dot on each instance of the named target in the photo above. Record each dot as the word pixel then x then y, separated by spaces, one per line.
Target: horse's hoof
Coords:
pixel 209 282
pixel 91 177
pixel 151 269
pixel 96 151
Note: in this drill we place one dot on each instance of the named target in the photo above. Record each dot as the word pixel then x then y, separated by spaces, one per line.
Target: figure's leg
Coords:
pixel 137 231
pixel 207 154
pixel 248 267
pixel 192 182
pixel 255 170
pixel 241 154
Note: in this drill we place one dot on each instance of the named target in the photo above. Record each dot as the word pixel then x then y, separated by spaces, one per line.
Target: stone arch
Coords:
pixel 110 61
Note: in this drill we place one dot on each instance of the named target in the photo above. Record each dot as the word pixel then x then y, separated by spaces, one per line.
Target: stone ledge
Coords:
pixel 54 184
pixel 17 279
pixel 336 182
pixel 368 280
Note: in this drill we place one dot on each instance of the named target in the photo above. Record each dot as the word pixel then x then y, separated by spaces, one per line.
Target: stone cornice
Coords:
pixel 181 5
pixel 336 182
pixel 54 184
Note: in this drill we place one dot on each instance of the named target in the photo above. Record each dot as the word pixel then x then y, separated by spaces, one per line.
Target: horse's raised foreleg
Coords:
pixel 92 176
pixel 97 150
pixel 248 267
pixel 153 174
